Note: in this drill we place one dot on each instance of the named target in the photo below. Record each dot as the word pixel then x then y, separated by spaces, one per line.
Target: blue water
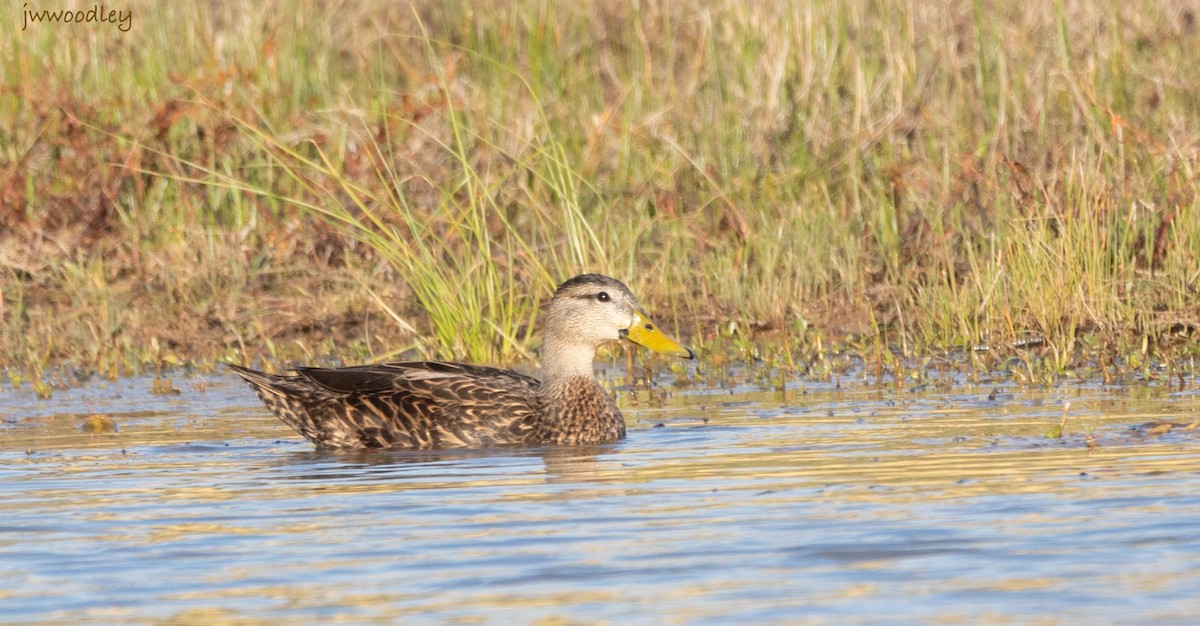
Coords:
pixel 833 506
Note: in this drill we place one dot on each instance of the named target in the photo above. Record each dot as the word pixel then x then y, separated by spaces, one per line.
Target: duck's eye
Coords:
pixel 603 296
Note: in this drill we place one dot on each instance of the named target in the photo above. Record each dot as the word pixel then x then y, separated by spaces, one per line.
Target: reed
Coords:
pixel 892 178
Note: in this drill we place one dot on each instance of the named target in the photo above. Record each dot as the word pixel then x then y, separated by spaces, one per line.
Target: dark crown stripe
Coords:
pixel 594 280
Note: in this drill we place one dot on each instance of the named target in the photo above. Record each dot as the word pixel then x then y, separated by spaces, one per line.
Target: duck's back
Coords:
pixel 419 405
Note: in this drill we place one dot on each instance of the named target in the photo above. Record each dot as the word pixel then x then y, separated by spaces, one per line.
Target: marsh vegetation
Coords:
pixel 918 187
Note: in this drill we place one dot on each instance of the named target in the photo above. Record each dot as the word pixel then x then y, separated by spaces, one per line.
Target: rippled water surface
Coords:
pixel 827 506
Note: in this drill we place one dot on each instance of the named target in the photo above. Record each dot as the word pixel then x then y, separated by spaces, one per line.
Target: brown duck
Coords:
pixel 432 404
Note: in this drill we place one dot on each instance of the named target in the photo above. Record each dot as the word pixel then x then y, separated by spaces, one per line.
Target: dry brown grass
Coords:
pixel 919 175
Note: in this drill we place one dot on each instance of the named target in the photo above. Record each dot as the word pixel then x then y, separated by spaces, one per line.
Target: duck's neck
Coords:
pixel 563 364
pixel 576 409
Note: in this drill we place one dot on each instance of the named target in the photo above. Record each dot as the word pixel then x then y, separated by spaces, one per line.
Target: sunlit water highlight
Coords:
pixel 829 506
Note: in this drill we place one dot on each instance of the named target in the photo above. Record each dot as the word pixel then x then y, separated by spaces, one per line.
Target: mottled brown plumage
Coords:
pixel 432 404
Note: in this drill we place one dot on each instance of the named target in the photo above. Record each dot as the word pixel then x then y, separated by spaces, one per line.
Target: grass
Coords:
pixel 984 187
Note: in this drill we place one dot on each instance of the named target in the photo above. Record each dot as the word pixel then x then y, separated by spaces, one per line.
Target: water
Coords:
pixel 831 506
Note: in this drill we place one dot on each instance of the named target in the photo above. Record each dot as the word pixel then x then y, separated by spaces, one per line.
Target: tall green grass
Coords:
pixel 916 176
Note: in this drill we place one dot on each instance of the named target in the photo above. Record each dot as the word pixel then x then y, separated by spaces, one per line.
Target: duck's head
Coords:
pixel 590 310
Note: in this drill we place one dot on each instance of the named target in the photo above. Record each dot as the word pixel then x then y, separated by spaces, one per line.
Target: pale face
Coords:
pixel 589 310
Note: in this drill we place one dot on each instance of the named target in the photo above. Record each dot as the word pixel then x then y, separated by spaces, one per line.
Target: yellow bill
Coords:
pixel 647 335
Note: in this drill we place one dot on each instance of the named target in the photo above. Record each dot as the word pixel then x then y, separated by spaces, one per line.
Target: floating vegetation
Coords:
pixel 98 423
pixel 163 387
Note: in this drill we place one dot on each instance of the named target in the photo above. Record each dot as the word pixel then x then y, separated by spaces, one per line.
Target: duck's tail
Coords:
pixel 261 382
pixel 281 397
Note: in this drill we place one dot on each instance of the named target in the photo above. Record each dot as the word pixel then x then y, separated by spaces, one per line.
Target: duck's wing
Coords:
pixel 426 404
pixel 385 376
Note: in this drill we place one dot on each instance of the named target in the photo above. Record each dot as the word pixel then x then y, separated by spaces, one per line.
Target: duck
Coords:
pixel 424 405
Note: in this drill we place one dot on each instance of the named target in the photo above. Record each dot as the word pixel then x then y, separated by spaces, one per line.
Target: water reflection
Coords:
pixel 558 463
pixel 832 506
